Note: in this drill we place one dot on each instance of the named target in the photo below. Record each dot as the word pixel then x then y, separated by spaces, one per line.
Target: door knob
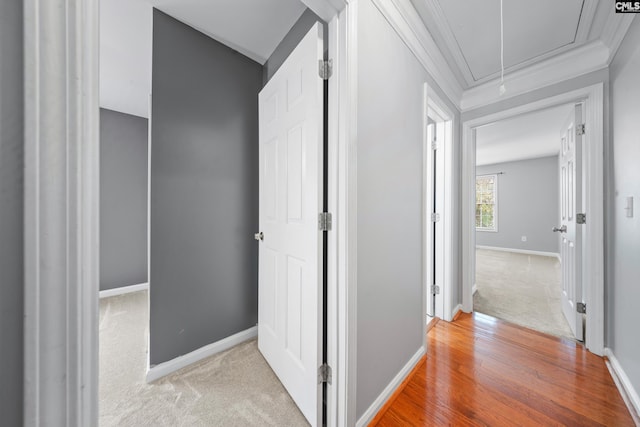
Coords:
pixel 562 229
pixel 259 236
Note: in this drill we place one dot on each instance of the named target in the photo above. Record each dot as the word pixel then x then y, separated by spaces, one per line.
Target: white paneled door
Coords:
pixel 570 231
pixel 290 249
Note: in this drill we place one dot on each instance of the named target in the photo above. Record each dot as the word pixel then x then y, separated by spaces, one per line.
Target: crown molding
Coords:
pixel 585 59
pixel 586 20
pixel 436 14
pixel 404 19
pixel 615 28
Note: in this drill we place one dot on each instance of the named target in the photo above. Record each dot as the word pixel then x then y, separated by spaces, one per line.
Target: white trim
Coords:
pixel 434 9
pixel 347 217
pixel 593 263
pixel 615 28
pixel 622 381
pixel 474 289
pixel 61 212
pixel 388 391
pixel 166 368
pixel 341 322
pixel 590 57
pixel 124 290
pixel 519 251
pixel 468 184
pixel 456 310
pixel 404 19
pixel 586 20
pixel 435 105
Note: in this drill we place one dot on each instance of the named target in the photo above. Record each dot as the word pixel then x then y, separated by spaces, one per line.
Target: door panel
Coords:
pixel 290 255
pixel 571 233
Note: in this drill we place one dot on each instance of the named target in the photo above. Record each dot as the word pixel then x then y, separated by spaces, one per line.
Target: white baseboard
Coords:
pixel 388 391
pixel 628 392
pixel 457 309
pixel 124 290
pixel 519 251
pixel 163 369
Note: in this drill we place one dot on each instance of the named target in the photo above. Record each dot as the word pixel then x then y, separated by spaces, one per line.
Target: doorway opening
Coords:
pixel 588 275
pixel 438 220
pixel 202 305
pixel 520 274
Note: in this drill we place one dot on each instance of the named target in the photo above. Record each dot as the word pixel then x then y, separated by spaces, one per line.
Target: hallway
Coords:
pixel 482 371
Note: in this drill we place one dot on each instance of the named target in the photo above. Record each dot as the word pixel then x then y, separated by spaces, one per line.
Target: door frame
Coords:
pixel 593 188
pixel 435 106
pixel 61 52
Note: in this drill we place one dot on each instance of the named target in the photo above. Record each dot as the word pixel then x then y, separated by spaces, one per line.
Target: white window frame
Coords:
pixel 493 229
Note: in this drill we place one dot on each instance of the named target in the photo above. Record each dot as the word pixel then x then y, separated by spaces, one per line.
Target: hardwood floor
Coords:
pixel 481 371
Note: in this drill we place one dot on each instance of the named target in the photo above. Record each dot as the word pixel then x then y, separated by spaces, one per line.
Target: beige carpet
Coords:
pixel 233 388
pixel 522 289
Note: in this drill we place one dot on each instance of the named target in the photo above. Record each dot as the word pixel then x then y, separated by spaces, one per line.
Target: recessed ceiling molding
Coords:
pixel 586 20
pixel 585 59
pixel 614 31
pixel 437 14
pixel 404 19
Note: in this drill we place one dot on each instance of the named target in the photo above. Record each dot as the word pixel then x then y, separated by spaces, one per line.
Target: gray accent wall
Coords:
pixel 123 199
pixel 11 212
pixel 204 190
pixel 289 42
pixel 390 286
pixel 528 205
pixel 623 263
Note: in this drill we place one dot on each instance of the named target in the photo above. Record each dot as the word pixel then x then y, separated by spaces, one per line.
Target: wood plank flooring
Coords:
pixel 481 371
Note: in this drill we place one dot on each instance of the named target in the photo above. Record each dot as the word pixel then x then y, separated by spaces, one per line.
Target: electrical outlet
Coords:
pixel 524 238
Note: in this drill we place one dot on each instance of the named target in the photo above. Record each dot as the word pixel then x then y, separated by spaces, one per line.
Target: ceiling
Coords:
pixel 468 32
pixel 527 136
pixel 251 27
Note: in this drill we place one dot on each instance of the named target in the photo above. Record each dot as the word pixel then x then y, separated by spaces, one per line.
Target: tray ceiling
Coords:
pixel 468 32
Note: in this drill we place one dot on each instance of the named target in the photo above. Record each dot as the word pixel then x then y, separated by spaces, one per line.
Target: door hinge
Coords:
pixel 324 374
pixel 581 307
pixel 435 290
pixel 580 130
pixel 325 69
pixel 581 218
pixel 435 217
pixel 434 145
pixel 324 221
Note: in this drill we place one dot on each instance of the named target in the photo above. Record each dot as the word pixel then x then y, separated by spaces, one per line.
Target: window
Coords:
pixel 487 203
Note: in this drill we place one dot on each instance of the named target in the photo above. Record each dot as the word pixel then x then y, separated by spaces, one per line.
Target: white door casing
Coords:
pixel 290 254
pixel 435 216
pixel 592 98
pixel 438 183
pixel 570 174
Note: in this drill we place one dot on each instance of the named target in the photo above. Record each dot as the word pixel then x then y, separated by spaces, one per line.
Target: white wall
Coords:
pixel 390 290
pixel 623 263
